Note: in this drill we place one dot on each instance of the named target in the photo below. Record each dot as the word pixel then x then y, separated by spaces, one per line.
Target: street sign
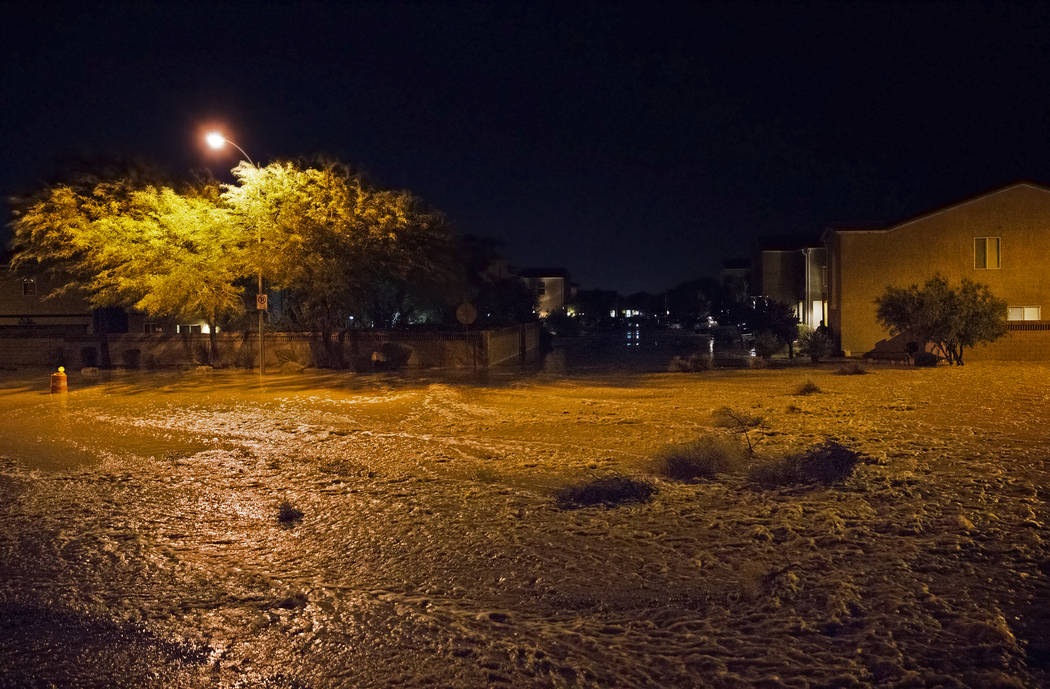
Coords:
pixel 261 302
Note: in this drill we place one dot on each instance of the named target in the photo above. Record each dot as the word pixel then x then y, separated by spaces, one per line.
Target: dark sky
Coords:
pixel 637 145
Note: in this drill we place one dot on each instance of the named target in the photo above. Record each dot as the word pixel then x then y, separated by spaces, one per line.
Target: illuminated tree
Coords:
pixel 338 245
pixel 153 249
pixel 949 318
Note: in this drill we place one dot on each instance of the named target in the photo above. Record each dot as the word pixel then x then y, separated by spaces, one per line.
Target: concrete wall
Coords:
pixel 862 264
pixel 480 348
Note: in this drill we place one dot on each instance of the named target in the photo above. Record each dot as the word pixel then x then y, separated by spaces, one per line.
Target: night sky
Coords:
pixel 636 145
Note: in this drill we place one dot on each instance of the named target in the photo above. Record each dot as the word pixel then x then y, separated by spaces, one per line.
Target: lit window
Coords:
pixel 29 287
pixel 1024 313
pixel 986 253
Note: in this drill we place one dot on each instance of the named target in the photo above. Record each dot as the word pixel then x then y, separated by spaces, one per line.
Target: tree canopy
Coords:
pixel 336 244
pixel 339 245
pixel 164 252
pixel 949 318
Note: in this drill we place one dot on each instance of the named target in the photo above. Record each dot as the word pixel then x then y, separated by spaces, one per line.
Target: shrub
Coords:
pixel 814 343
pixel 925 359
pixel 950 318
pixel 808 388
pixel 767 344
pixel 826 463
pixel 608 492
pixel 852 369
pixel 705 457
pixel 693 362
pixel 287 513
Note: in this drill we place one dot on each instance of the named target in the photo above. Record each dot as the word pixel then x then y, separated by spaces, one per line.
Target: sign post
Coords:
pixel 262 303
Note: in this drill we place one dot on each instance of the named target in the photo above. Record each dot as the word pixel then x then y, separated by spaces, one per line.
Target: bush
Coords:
pixel 705 457
pixel 608 492
pixel 853 369
pixel 826 463
pixel 724 417
pixel 767 344
pixel 814 343
pixel 925 359
pixel 688 364
pixel 288 514
pixel 808 388
pixel 391 356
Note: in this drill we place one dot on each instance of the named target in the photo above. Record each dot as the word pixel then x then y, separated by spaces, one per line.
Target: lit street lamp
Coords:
pixel 217 141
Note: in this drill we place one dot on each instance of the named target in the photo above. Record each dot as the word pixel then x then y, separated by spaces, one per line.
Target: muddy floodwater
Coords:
pixel 140 544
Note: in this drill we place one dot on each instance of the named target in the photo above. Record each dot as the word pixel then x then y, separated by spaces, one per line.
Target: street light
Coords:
pixel 217 141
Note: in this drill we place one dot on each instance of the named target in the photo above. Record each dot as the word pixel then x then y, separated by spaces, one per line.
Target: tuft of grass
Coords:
pixel 808 388
pixel 608 492
pixel 724 417
pixel 288 514
pixel 690 364
pixel 852 369
pixel 793 409
pixel 705 457
pixel 827 463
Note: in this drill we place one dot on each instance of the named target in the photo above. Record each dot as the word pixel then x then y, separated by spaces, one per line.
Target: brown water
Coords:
pixel 140 545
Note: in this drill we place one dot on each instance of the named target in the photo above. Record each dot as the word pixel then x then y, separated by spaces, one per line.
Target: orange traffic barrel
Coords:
pixel 58 380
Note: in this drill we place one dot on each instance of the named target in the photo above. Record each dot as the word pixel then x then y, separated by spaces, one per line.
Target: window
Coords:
pixel 986 253
pixel 541 288
pixel 1024 313
pixel 28 287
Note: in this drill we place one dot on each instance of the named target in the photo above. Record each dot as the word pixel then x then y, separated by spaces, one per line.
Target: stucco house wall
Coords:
pixel 863 263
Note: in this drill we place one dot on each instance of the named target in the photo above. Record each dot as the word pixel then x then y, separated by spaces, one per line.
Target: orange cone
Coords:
pixel 58 380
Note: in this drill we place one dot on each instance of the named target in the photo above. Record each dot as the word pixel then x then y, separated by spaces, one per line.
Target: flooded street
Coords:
pixel 140 543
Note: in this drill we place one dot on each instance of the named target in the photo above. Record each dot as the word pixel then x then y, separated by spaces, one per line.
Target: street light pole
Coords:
pixel 217 140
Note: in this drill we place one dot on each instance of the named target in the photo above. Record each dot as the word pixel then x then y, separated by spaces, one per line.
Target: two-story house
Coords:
pixel 551 287
pixel 1000 239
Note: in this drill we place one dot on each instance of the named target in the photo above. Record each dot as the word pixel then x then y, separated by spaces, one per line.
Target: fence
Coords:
pixel 357 349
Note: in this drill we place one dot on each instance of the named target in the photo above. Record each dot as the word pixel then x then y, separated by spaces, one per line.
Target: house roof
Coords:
pixel 938 210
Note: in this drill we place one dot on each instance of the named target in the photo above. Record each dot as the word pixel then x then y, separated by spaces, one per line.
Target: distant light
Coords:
pixel 215 139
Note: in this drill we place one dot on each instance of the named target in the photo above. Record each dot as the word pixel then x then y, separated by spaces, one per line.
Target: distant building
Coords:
pixel 550 286
pixel 797 276
pixel 23 305
pixel 1000 239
